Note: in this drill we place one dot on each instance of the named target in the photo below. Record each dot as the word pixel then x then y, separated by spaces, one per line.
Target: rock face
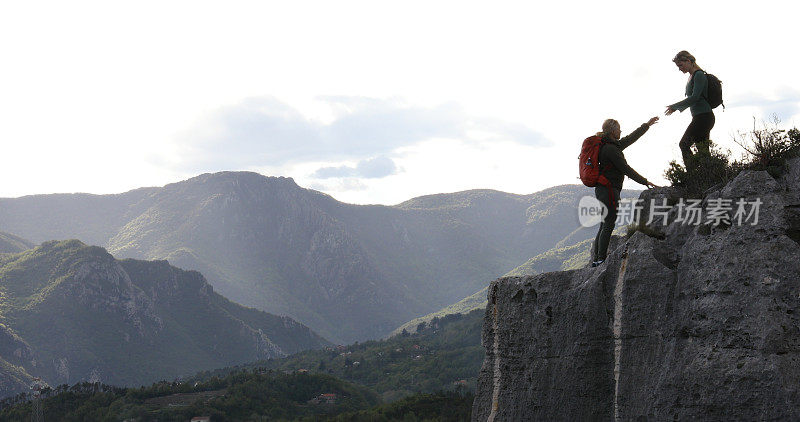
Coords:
pixel 693 322
pixel 13 378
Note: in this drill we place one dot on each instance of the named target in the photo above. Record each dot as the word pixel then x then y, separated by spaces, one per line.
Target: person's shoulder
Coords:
pixel 611 146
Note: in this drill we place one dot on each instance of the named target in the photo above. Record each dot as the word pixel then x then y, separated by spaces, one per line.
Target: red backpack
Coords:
pixel 589 162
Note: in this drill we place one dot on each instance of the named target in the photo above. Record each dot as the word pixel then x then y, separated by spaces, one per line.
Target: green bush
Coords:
pixel 708 167
pixel 766 148
pixel 769 147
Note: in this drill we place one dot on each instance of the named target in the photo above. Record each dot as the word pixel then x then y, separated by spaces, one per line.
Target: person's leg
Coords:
pixel 605 234
pixel 697 133
pixel 609 198
pixel 686 145
pixel 601 193
pixel 596 242
pixel 705 122
pixel 703 147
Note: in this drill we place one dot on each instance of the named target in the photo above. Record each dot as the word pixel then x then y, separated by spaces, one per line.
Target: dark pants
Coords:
pixel 698 133
pixel 610 198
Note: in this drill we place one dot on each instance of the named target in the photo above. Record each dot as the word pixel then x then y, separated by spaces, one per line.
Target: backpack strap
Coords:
pixel 599 153
pixel 705 94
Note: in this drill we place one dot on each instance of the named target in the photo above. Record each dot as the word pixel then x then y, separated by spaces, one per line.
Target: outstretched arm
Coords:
pixel 636 134
pixel 700 83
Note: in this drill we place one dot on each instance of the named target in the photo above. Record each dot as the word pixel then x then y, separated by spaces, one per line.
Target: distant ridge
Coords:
pixel 13 244
pixel 350 272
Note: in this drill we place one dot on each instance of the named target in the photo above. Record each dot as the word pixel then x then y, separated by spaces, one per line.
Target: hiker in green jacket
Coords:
pixel 614 167
pixel 699 130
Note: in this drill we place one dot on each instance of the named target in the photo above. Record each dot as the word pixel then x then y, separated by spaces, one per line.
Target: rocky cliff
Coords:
pixel 13 379
pixel 683 321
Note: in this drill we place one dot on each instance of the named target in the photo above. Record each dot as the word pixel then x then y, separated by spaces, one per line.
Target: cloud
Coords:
pixel 785 106
pixel 333 172
pixel 266 132
pixel 377 167
pixel 342 185
pixel 374 168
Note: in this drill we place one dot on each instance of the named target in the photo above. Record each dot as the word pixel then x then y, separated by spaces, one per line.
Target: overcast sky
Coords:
pixel 371 102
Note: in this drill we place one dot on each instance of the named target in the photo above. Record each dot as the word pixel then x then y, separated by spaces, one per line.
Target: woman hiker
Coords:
pixel 699 130
pixel 614 167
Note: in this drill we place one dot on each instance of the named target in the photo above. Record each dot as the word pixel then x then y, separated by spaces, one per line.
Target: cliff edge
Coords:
pixel 691 318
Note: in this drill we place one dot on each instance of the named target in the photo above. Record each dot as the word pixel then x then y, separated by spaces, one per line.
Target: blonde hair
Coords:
pixel 608 126
pixel 685 55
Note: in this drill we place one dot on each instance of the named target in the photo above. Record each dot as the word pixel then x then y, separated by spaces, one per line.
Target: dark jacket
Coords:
pixel 612 161
pixel 696 95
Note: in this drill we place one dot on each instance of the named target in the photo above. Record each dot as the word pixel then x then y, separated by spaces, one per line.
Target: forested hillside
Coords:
pixel 71 312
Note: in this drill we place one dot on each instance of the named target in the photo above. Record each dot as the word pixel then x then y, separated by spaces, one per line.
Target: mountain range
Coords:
pixel 71 312
pixel 556 259
pixel 350 272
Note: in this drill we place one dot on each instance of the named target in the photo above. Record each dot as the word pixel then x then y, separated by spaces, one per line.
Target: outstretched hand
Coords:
pixel 651 186
pixel 652 121
pixel 669 111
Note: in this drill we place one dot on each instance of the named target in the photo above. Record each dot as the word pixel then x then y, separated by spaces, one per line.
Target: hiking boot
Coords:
pixel 596 263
